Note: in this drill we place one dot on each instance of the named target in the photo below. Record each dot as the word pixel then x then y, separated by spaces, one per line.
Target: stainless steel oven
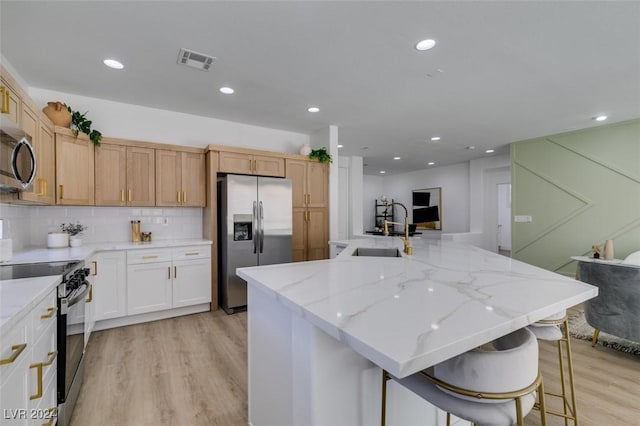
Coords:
pixel 72 293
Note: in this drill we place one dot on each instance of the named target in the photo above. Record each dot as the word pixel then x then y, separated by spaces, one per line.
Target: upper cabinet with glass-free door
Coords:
pixel 180 179
pixel 125 175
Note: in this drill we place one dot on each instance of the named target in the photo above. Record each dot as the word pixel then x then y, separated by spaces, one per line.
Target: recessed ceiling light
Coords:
pixel 471 147
pixel 396 158
pixel 112 63
pixel 431 163
pixel 600 118
pixel 227 90
pixel 313 109
pixel 340 146
pixel 489 151
pixel 382 172
pixel 435 138
pixel 425 44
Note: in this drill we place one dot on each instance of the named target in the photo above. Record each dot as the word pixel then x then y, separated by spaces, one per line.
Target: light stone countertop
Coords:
pixel 406 314
pixel 18 297
pixel 35 255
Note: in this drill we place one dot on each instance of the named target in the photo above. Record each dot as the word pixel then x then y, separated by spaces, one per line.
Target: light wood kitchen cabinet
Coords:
pixel 110 284
pixel 9 98
pixel 40 128
pixel 251 164
pixel 125 176
pixel 74 169
pixel 310 192
pixel 180 179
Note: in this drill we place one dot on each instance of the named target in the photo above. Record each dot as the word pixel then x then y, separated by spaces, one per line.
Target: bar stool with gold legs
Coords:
pixel 492 385
pixel 556 328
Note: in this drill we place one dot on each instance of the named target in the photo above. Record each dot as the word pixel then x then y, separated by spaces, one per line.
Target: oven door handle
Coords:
pixel 78 297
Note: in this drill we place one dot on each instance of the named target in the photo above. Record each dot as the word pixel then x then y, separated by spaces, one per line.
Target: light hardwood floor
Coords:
pixel 192 370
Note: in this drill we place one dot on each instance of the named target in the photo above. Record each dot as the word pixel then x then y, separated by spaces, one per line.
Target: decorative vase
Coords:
pixel 305 150
pixel 58 114
pixel 608 250
pixel 75 241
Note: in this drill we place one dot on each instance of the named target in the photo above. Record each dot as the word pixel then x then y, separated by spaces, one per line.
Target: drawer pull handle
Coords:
pixel 179 202
pixel 51 312
pixel 175 272
pixel 169 272
pixel 38 393
pixel 52 356
pixel 17 350
pixel 193 253
pixel 184 197
pixel 61 192
pixel 53 413
pixel 6 102
pixel 122 195
pixel 150 257
pixel 95 267
pixel 130 197
pixel 90 298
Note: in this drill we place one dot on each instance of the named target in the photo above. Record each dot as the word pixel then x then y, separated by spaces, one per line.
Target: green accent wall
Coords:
pixel 581 188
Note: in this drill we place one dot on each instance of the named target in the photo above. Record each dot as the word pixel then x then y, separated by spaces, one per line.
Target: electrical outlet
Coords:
pixel 525 219
pixel 165 221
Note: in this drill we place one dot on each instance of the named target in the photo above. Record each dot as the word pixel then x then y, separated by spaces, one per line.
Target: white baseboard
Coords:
pixel 151 316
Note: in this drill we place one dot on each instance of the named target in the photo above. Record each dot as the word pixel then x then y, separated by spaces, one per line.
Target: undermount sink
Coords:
pixel 377 252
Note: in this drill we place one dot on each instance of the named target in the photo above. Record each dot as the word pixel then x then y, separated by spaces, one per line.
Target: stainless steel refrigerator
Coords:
pixel 254 228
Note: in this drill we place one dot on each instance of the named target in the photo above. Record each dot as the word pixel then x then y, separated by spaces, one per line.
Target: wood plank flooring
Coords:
pixel 192 370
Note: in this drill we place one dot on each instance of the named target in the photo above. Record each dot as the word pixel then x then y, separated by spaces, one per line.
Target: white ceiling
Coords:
pixel 511 70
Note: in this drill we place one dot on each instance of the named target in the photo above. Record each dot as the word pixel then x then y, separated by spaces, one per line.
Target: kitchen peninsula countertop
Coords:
pixel 408 313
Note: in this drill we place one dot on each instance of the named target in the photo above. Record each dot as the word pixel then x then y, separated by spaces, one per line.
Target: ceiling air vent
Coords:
pixel 195 60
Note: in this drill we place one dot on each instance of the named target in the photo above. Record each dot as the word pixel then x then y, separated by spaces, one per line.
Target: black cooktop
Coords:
pixel 29 270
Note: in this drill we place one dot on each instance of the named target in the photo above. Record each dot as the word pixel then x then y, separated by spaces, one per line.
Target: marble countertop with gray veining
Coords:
pixel 408 313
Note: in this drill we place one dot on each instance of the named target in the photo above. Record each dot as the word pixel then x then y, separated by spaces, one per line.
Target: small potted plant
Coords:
pixel 74 231
pixel 80 123
pixel 321 155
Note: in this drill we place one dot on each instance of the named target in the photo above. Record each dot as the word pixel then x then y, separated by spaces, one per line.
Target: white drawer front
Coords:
pixel 192 252
pixel 148 256
pixel 44 315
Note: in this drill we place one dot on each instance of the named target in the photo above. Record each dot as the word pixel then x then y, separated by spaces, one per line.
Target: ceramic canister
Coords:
pixel 608 250
pixel 57 239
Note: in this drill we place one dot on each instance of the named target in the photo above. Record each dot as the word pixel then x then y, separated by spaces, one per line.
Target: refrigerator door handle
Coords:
pixel 261 227
pixel 256 233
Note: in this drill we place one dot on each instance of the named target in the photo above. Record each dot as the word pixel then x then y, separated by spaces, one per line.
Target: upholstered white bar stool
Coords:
pixel 556 329
pixel 492 385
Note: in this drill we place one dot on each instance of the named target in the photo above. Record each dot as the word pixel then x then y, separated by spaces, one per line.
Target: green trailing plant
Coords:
pixel 79 123
pixel 321 155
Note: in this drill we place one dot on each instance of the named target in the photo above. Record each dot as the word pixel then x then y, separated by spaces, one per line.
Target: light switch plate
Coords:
pixel 523 219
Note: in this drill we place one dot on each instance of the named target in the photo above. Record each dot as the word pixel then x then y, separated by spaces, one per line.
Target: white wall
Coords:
pixel 127 121
pixel 328 138
pixel 350 212
pixel 454 181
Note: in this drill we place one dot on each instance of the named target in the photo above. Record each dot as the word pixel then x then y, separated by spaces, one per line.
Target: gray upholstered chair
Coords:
pixel 616 309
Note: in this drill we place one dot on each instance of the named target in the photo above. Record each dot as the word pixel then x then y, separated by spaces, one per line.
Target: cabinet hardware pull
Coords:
pixel 61 192
pixel 38 393
pixel 149 257
pixel 122 195
pixel 17 350
pixel 129 194
pixel 52 357
pixel 41 192
pixel 179 197
pixel 51 311
pixel 5 109
pixel 53 414
pixel 195 253
pixel 90 298
pixel 184 197
pixel 168 272
pixel 175 272
pixel 95 267
pixel 46 190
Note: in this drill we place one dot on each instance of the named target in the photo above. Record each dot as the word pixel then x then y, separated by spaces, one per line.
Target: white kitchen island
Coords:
pixel 320 332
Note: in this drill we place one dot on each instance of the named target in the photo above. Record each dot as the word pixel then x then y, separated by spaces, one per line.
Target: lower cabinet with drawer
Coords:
pixel 28 370
pixel 161 279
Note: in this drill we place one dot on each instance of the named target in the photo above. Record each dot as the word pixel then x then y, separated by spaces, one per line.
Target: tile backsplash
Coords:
pixel 28 226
